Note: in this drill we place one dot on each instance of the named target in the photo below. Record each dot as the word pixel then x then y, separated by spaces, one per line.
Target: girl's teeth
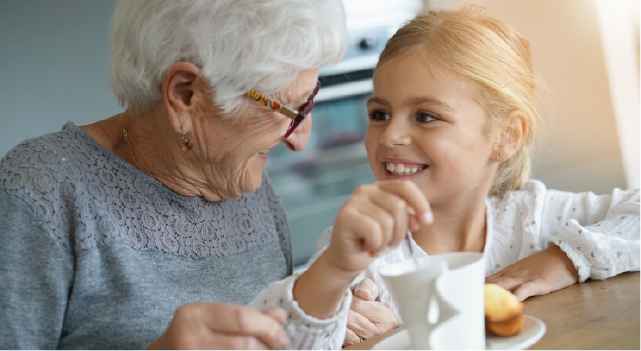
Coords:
pixel 391 167
pixel 402 170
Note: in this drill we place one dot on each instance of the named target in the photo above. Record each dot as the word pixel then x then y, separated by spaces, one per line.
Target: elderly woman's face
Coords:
pixel 236 149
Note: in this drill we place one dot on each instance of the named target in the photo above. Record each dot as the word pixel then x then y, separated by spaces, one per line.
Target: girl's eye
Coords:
pixel 425 117
pixel 379 115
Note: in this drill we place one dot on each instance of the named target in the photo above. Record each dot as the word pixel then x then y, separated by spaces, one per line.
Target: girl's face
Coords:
pixel 427 128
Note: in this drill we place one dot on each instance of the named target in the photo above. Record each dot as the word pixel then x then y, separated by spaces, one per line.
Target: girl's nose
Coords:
pixel 396 134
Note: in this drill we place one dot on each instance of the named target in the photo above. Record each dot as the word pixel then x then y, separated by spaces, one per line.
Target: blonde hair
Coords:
pixel 493 57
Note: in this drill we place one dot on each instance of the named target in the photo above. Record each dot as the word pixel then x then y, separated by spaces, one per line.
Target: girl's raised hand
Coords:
pixel 373 220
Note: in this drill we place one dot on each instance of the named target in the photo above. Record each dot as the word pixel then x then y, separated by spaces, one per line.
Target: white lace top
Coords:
pixel 600 234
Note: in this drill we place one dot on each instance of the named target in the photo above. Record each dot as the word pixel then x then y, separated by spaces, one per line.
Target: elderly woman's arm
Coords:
pixel 36 272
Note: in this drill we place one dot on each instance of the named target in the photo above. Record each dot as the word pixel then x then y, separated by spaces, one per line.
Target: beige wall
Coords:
pixel 580 151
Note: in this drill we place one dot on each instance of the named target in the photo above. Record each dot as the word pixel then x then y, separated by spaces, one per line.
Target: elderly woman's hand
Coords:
pixel 203 325
pixel 367 317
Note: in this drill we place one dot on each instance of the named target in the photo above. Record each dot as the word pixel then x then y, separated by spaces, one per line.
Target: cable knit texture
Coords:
pixel 96 254
pixel 600 234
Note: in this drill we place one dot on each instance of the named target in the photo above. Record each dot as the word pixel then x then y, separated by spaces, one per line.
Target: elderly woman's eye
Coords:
pixel 378 115
pixel 425 117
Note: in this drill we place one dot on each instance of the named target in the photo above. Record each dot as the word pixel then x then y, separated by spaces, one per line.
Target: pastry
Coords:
pixel 503 312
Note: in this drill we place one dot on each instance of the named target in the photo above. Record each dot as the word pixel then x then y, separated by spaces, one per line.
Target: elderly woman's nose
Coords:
pixel 299 138
pixel 396 134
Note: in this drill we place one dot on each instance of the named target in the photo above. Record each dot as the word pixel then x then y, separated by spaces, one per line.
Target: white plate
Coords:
pixel 533 330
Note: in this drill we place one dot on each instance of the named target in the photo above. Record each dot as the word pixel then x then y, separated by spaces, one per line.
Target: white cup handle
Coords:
pixel 445 310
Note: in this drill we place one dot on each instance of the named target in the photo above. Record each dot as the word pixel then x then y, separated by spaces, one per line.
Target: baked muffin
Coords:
pixel 503 312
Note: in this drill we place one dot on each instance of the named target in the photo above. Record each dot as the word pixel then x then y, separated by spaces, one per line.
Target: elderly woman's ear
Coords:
pixel 183 89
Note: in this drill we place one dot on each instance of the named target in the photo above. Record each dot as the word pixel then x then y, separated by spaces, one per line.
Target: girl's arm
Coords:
pixel 600 234
pixel 318 298
pixel 568 237
pixel 305 331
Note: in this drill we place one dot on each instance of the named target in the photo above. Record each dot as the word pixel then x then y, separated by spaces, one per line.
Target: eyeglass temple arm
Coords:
pixel 273 104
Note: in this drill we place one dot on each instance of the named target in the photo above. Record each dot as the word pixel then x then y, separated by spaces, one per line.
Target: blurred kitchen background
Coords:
pixel 56 53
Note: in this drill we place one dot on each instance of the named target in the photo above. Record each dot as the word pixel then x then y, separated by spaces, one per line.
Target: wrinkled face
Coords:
pixel 237 148
pixel 426 128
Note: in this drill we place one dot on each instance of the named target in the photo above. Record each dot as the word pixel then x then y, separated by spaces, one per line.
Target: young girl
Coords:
pixel 451 131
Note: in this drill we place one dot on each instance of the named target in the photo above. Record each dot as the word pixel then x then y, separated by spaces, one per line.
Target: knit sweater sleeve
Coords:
pixel 307 332
pixel 600 234
pixel 36 274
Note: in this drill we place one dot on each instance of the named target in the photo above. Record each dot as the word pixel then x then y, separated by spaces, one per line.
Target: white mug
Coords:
pixel 442 302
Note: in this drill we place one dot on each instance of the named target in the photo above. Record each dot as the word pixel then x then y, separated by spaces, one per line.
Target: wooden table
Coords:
pixel 598 314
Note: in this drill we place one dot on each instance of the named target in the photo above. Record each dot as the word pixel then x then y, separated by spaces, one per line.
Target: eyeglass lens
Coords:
pixel 303 111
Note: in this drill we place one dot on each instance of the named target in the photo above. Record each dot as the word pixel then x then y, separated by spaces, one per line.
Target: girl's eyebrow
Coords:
pixel 429 100
pixel 378 100
pixel 417 100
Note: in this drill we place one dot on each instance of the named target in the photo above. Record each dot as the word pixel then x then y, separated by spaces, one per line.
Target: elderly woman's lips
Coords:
pixel 263 155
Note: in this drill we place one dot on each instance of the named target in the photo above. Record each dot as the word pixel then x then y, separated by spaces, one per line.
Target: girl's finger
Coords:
pixel 367 231
pixel 525 290
pixel 508 283
pixel 397 209
pixel 414 197
pixel 385 220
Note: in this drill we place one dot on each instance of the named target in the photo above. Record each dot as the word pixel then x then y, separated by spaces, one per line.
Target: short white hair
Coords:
pixel 238 45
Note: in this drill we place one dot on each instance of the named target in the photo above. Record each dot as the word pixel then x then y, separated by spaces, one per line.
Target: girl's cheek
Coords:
pixel 371 142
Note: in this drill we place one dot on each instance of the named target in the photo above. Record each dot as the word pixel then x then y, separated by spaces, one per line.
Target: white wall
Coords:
pixel 54 66
pixel 581 149
pixel 619 27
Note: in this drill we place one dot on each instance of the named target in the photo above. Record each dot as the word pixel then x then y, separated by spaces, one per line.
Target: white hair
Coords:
pixel 238 45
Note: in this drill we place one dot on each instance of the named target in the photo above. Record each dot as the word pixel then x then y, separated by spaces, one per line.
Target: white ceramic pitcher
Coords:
pixel 441 303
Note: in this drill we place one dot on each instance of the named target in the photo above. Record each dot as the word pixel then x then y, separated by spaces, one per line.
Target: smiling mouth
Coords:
pixel 264 152
pixel 404 169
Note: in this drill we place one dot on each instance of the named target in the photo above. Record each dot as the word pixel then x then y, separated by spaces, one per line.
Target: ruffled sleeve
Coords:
pixel 599 233
pixel 307 332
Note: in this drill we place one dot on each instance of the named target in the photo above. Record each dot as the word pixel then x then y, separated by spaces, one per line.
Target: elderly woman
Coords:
pixel 154 226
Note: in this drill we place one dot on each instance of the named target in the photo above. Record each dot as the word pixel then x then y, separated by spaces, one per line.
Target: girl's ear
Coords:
pixel 181 90
pixel 513 133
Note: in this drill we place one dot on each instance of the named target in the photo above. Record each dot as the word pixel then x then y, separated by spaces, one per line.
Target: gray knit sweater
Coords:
pixel 96 254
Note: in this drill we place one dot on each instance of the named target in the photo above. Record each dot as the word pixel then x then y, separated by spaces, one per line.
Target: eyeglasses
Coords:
pixel 297 116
